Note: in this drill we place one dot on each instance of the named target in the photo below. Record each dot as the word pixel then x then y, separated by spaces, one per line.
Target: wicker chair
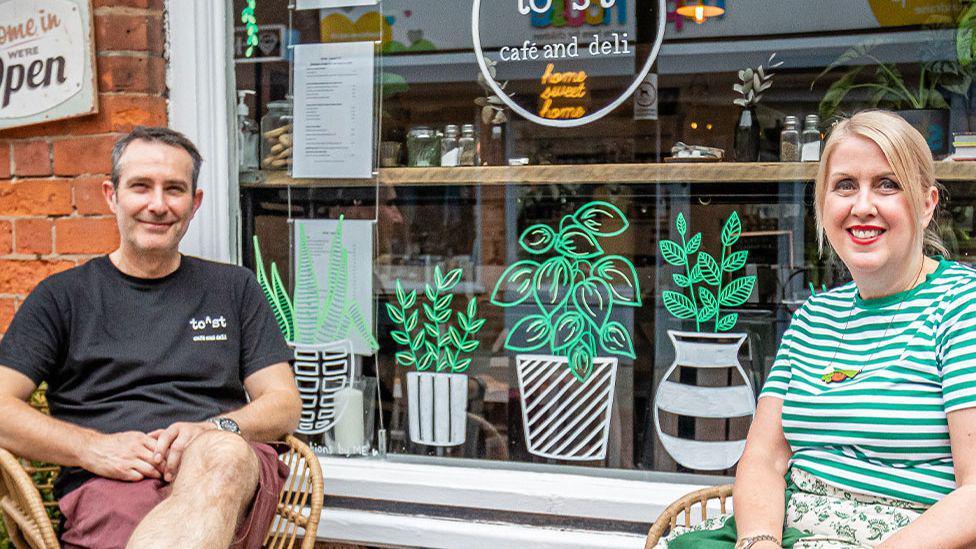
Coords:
pixel 28 525
pixel 684 506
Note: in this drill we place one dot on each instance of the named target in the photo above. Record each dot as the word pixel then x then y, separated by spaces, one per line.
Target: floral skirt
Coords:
pixel 827 518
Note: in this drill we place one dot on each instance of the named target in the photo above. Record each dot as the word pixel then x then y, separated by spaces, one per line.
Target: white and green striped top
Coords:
pixel 884 432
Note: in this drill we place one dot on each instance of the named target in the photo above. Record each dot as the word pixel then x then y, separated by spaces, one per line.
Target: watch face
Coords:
pixel 227 424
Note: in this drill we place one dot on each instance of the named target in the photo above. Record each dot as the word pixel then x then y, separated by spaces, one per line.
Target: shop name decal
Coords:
pixel 574 13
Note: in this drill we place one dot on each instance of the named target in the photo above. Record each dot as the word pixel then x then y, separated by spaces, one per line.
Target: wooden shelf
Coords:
pixel 708 172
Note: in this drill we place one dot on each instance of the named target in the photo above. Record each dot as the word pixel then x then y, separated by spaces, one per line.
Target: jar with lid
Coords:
pixel 423 147
pixel 450 153
pixel 468 146
pixel 276 135
pixel 810 139
pixel 789 140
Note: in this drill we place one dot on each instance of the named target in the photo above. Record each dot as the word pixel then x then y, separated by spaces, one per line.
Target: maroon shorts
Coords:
pixel 102 513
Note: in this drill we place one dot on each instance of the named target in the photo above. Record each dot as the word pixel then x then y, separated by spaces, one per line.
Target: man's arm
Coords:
pixel 33 435
pixel 274 411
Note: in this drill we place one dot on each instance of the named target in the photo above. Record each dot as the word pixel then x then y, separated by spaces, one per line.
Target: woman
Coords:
pixel 865 432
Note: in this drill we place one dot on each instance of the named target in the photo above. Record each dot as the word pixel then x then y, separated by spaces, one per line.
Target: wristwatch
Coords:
pixel 226 424
pixel 746 543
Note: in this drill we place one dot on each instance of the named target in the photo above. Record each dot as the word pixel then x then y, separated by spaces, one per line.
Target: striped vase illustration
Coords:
pixel 321 370
pixel 704 351
pixel 437 408
pixel 565 418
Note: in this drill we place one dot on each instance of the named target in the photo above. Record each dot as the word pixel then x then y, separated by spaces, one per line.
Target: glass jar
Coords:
pixel 468 146
pixel 810 139
pixel 423 147
pixel 789 140
pixel 276 136
pixel 450 153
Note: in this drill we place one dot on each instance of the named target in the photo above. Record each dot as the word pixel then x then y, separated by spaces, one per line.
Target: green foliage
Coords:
pixel 573 291
pixel 435 343
pixel 702 303
pixel 308 319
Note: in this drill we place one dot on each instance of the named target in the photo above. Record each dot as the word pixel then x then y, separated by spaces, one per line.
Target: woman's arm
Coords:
pixel 759 489
pixel 950 522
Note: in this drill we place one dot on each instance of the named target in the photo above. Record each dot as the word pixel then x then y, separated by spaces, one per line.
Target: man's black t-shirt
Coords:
pixel 121 353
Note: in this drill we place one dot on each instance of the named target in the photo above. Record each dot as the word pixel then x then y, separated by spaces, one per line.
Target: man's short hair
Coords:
pixel 155 134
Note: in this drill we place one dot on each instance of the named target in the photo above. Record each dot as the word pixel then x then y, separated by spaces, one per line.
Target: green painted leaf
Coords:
pixel 469 346
pixel 581 358
pixel 679 305
pixel 405 359
pixel 418 342
pixel 529 334
pixel 400 294
pixel 430 313
pixel 616 340
pixel 731 230
pixel 621 275
pixel 356 318
pixel 567 331
pixel 443 363
pixel 709 306
pixel 431 330
pixel 306 294
pixel 602 218
pixel 735 261
pixel 451 280
pixel 444 301
pixel 400 337
pixel 444 316
pixel 515 284
pixel 395 315
pixel 672 253
pixel 696 274
pixel 553 282
pixel 709 269
pixel 461 365
pixel 430 292
pixel 727 322
pixel 472 308
pixel 455 336
pixel 438 277
pixel 426 362
pixel 577 243
pixel 738 291
pixel 693 245
pixel 681 280
pixel 681 224
pixel 538 239
pixel 477 324
pixel 411 322
pixel 284 304
pixel 462 320
pixel 411 298
pixel 594 299
pixel 444 340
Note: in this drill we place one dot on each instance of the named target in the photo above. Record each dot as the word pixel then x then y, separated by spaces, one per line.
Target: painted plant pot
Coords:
pixel 437 408
pixel 707 351
pixel 565 418
pixel 321 371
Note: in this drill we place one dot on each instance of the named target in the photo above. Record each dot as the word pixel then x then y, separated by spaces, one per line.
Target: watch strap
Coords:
pixel 747 543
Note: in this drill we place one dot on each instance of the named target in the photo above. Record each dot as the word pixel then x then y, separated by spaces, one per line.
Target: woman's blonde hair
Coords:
pixel 908 155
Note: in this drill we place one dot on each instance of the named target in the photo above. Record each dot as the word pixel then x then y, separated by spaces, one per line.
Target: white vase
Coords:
pixel 565 418
pixel 706 351
pixel 437 408
pixel 321 371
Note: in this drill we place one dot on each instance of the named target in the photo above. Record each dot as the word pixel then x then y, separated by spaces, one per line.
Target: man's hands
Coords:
pixel 122 456
pixel 171 442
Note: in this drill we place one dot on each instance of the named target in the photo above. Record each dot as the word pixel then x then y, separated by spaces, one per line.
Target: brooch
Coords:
pixel 839 376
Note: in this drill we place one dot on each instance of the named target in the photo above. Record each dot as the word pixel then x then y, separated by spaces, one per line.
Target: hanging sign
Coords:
pixel 578 48
pixel 271 44
pixel 46 61
pixel 645 100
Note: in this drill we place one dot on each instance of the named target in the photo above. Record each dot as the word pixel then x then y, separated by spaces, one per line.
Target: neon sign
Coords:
pixel 561 86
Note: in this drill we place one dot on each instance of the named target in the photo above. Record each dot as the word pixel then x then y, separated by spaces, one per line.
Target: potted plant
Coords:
pixel 751 85
pixel 571 288
pixel 703 295
pixel 437 400
pixel 317 328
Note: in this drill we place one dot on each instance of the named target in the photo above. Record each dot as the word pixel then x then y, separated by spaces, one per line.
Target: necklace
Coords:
pixel 838 375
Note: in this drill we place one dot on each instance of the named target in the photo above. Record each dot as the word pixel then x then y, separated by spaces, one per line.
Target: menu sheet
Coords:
pixel 334 110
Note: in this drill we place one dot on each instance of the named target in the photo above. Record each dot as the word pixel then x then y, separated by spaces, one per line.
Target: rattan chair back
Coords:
pixel 682 511
pixel 23 510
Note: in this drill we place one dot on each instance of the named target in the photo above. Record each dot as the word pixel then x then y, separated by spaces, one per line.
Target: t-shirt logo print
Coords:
pixel 213 323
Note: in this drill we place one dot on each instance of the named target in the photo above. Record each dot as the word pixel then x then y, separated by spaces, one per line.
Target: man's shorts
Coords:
pixel 102 513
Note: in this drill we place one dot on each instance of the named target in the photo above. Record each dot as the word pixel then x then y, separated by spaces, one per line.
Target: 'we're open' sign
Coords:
pixel 46 61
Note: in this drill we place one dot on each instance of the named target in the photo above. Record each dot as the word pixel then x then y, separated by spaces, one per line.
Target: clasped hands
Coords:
pixel 134 456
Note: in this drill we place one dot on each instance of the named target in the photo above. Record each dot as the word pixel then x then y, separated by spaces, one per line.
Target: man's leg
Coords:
pixel 217 478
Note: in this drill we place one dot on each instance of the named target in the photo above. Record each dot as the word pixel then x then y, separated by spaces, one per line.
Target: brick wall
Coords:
pixel 52 214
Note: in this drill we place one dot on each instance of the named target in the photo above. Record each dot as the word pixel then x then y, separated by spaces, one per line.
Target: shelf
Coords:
pixel 707 172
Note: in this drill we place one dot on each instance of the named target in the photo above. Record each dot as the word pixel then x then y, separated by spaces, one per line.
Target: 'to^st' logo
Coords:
pixel 219 322
pixel 526 6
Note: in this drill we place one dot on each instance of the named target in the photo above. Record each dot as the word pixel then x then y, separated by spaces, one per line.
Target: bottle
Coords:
pixel 468 146
pixel 810 139
pixel 423 148
pixel 789 140
pixel 247 134
pixel 276 128
pixel 450 153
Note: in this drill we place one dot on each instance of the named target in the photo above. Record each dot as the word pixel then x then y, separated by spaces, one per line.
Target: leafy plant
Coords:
pixel 573 291
pixel 701 303
pixel 752 83
pixel 437 343
pixel 492 108
pixel 308 319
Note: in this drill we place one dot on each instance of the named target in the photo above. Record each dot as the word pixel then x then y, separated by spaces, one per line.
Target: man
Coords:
pixel 147 355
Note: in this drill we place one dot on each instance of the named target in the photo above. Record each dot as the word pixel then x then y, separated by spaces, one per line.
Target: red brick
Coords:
pixel 83 155
pixel 89 199
pixel 117 113
pixel 120 3
pixel 5 170
pixel 125 32
pixel 20 276
pixel 8 306
pixel 33 235
pixel 124 73
pixel 32 158
pixel 85 235
pixel 6 237
pixel 36 197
